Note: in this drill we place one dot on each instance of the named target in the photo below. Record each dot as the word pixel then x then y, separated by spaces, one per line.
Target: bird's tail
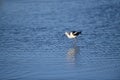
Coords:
pixel 80 32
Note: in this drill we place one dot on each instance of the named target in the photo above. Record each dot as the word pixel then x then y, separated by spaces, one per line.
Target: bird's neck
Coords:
pixel 67 34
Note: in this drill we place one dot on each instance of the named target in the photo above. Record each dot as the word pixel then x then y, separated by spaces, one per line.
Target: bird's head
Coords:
pixel 66 33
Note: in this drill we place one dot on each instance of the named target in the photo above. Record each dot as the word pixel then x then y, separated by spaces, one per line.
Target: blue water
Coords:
pixel 33 45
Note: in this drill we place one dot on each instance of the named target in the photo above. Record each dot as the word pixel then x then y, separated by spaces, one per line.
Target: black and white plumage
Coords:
pixel 72 34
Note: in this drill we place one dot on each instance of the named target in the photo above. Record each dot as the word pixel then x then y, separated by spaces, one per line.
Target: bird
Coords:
pixel 72 34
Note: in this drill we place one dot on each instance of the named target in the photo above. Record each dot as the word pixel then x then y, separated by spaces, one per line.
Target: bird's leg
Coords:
pixel 75 42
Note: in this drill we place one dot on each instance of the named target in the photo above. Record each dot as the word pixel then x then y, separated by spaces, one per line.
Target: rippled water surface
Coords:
pixel 33 45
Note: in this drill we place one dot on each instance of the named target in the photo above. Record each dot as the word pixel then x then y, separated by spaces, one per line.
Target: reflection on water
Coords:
pixel 72 53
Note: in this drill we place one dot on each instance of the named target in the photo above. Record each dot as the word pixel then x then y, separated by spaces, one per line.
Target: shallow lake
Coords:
pixel 33 45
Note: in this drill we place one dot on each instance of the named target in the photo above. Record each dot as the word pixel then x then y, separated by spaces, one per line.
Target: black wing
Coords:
pixel 76 33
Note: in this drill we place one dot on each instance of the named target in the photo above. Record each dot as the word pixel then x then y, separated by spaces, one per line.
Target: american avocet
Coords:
pixel 72 34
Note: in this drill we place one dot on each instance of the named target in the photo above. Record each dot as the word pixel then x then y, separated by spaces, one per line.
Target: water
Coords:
pixel 33 45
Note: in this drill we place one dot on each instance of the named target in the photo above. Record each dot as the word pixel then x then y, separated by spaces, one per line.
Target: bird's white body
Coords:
pixel 70 35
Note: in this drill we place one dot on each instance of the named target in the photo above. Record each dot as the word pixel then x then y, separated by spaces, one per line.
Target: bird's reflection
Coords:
pixel 72 53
